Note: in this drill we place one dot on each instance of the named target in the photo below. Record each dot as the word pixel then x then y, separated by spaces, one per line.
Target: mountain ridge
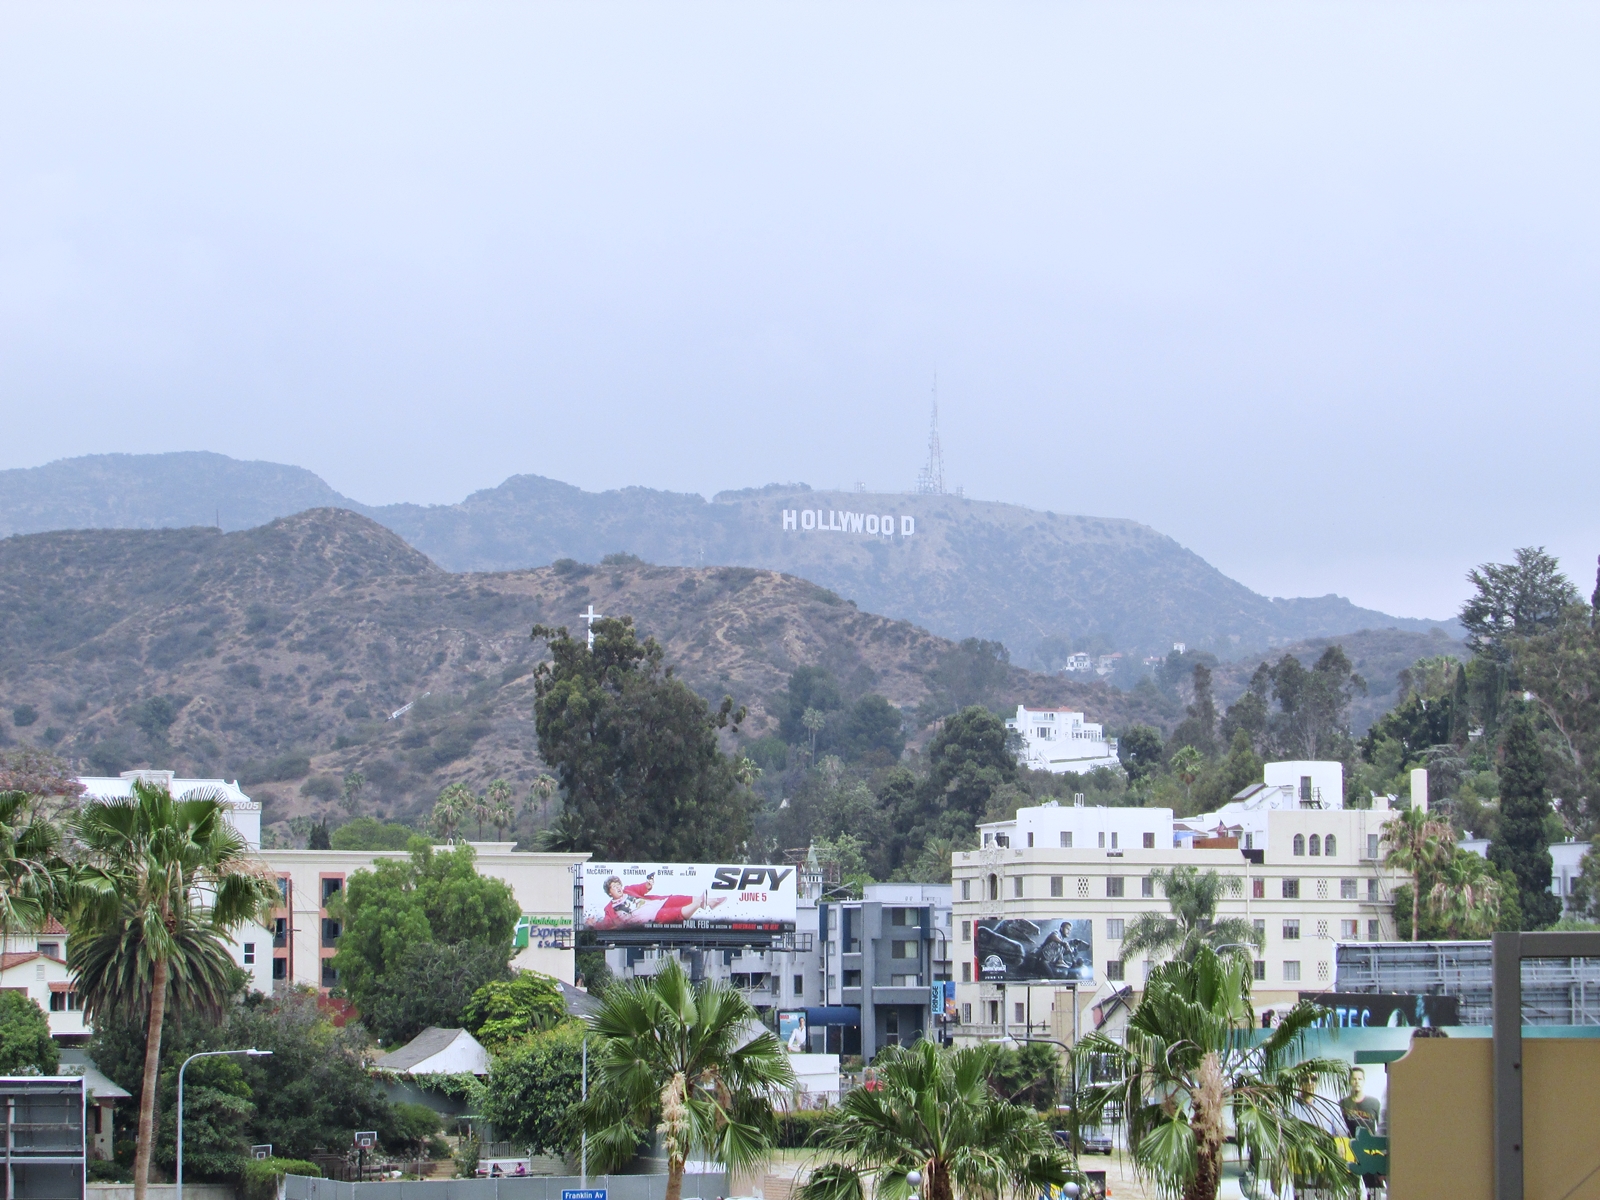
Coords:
pixel 1042 583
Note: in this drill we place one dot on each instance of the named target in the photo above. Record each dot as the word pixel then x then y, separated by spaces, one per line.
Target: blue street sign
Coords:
pixel 583 1194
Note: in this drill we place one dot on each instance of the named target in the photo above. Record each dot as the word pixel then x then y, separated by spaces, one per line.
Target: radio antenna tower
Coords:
pixel 930 480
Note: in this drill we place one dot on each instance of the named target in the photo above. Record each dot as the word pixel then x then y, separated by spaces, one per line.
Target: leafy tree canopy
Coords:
pixel 369 833
pixel 26 1047
pixel 1514 599
pixel 1521 845
pixel 535 1088
pixel 636 751
pixel 507 1009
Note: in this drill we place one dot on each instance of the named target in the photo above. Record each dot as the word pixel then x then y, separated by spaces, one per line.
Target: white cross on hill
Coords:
pixel 591 616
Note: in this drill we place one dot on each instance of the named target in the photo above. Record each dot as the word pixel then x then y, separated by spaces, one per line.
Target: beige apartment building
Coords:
pixel 1309 878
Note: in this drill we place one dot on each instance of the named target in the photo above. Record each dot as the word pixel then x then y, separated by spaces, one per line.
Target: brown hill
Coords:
pixel 279 653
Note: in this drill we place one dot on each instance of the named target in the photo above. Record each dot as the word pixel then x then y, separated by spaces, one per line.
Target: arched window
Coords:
pixel 1328 846
pixel 1299 845
pixel 1316 846
pixel 994 887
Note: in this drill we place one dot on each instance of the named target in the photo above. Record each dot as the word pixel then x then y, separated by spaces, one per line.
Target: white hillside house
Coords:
pixel 1060 740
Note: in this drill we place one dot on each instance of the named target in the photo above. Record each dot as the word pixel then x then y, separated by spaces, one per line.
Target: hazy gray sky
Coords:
pixel 1314 288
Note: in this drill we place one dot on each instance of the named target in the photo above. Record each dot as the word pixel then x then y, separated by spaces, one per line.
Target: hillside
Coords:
pixel 276 654
pixel 1043 583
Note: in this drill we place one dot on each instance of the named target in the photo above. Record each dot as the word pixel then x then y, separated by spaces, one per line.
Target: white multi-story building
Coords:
pixel 1308 878
pixel 1060 740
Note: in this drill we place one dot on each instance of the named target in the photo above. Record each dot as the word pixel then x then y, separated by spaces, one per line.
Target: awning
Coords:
pixel 834 1014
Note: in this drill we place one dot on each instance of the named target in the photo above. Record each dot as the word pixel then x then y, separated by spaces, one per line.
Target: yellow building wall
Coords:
pixel 1441 1120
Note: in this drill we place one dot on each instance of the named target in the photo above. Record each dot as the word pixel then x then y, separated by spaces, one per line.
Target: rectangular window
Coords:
pixel 966 889
pixel 280 968
pixel 249 953
pixel 1291 931
pixel 1261 928
pixel 1066 840
pixel 280 932
pixel 966 1014
pixel 833 983
pixel 1030 840
pixel 330 977
pixel 50 949
pixel 1372 845
pixel 330 931
pixel 966 931
pixel 1016 886
pixel 1102 840
pixel 1149 841
pixel 1258 889
pixel 904 949
pixel 283 889
pixel 1057 886
pixel 330 887
pixel 1114 929
pixel 1019 1011
pixel 1291 971
pixel 1261 968
pixel 1114 886
pixel 1347 889
pixel 1372 932
pixel 1372 891
pixel 1349 931
pixel 1114 970
pixel 799 985
pixel 852 979
pixel 966 972
pixel 1291 889
pixel 1113 841
pixel 994 1012
pixel 1147 887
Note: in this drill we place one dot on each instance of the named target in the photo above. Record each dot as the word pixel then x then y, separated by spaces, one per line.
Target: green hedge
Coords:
pixel 797 1130
pixel 261 1176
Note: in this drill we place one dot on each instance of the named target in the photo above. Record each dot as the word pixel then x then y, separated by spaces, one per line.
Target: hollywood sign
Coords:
pixel 847 522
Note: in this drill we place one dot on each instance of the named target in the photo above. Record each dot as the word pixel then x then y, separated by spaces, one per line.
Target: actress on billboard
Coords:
pixel 634 905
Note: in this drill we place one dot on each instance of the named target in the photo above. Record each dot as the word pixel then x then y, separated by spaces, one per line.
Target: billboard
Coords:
pixel 1362 1010
pixel 1013 950
pixel 792 1031
pixel 655 898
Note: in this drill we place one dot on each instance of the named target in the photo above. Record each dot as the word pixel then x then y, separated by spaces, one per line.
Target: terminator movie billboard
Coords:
pixel 1012 950
pixel 663 898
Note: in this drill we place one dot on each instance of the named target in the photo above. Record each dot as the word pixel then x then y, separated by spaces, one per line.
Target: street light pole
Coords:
pixel 252 1052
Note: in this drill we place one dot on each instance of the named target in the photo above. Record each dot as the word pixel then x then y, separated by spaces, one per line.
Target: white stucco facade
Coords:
pixel 1060 740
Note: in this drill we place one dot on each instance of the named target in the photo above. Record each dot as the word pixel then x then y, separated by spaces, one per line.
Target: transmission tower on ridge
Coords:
pixel 930 480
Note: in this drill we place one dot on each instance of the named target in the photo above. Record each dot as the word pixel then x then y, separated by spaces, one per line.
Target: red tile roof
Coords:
pixel 7 961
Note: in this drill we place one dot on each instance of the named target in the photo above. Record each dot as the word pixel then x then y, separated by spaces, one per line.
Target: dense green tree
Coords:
pixel 164 883
pixel 1192 1063
pixel 34 878
pixel 1198 728
pixel 535 1087
pixel 1460 708
pixel 1514 600
pixel 420 936
pixel 319 838
pixel 1418 845
pixel 1251 712
pixel 1522 846
pixel 506 1009
pixel 678 1058
pixel 875 730
pixel 935 1111
pixel 1030 1074
pixel 967 760
pixel 1417 724
pixel 636 751
pixel 1141 751
pixel 1313 717
pixel 1241 768
pixel 26 1046
pixel 1559 667
pixel 809 688
pixel 966 674
pixel 369 833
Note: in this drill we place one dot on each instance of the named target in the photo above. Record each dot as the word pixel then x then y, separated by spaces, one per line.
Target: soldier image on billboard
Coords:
pixel 1014 949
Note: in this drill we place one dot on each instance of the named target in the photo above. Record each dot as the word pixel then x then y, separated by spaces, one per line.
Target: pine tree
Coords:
pixel 1520 846
pixel 1460 709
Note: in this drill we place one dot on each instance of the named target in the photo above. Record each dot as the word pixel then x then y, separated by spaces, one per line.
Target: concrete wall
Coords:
pixel 164 1191
pixel 1441 1120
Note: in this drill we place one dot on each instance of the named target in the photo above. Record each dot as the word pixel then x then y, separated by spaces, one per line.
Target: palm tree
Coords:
pixel 690 1060
pixel 502 812
pixel 33 876
pixel 451 809
pixel 813 720
pixel 1190 1059
pixel 163 882
pixel 1466 896
pixel 934 1112
pixel 1417 845
pixel 1192 895
pixel 1186 764
pixel 478 806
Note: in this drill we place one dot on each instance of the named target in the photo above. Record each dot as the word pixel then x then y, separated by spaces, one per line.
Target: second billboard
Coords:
pixel 1013 950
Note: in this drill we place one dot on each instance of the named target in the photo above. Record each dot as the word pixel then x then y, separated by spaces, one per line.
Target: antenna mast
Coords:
pixel 930 480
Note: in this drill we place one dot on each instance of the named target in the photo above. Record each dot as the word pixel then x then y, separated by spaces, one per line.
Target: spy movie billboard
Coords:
pixel 667 898
pixel 1013 950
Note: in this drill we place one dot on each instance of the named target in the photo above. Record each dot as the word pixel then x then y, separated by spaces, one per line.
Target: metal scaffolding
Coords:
pixel 1555 991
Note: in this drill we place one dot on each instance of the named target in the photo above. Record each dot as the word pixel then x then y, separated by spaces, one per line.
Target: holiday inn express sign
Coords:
pixel 830 520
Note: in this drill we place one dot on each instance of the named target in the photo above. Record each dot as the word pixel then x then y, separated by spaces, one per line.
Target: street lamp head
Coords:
pixel 914 1178
pixel 254 1053
pixel 1071 1191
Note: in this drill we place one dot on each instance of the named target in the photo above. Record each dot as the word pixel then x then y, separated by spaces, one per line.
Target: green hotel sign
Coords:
pixel 542 932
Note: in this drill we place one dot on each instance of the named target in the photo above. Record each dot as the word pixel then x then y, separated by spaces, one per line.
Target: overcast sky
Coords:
pixel 1310 287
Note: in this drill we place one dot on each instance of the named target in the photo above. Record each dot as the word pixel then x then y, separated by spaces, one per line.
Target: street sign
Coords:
pixel 366 1139
pixel 261 1151
pixel 583 1194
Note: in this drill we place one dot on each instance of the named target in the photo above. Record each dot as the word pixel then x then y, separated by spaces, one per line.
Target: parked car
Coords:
pixel 1093 1139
